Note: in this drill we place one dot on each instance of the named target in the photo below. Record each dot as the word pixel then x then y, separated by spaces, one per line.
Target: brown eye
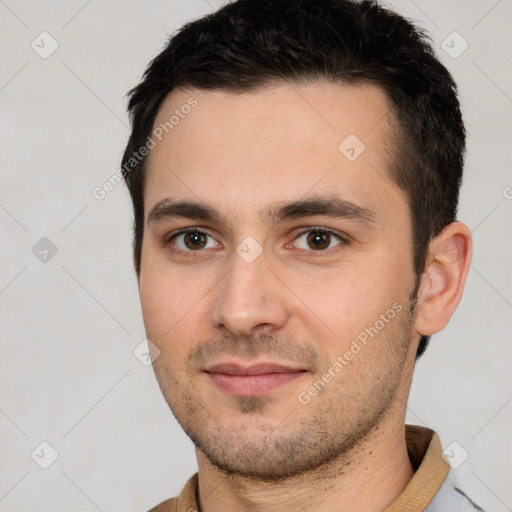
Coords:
pixel 319 240
pixel 193 241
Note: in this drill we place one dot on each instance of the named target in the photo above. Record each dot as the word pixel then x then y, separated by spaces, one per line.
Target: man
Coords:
pixel 294 167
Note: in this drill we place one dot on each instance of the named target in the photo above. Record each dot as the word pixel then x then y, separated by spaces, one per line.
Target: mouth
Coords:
pixel 252 380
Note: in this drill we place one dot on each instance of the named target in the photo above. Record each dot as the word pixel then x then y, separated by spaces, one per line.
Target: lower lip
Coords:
pixel 252 385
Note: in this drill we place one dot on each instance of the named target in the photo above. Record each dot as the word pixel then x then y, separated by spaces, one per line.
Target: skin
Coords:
pixel 295 304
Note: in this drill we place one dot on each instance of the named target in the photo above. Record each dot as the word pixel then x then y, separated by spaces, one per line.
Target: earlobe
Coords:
pixel 442 283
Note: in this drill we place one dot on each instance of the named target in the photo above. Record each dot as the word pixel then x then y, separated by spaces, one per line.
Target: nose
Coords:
pixel 250 299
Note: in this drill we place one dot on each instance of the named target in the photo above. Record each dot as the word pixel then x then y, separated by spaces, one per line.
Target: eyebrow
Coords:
pixel 332 206
pixel 168 209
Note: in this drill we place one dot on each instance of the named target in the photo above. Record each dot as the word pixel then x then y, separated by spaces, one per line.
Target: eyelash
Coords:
pixel 343 239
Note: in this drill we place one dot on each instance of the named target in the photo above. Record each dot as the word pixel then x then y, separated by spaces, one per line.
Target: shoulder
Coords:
pixel 454 497
pixel 187 499
pixel 170 505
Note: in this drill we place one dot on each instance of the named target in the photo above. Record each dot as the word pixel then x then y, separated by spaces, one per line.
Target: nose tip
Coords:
pixel 241 321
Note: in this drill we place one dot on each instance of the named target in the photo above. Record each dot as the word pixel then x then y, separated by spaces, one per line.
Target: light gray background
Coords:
pixel 70 325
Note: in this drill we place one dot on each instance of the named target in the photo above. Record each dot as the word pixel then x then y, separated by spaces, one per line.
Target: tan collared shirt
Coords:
pixel 427 459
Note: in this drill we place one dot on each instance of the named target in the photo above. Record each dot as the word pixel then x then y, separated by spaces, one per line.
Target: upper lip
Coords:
pixel 251 369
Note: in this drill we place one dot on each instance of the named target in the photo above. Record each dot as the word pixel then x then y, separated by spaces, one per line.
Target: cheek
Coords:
pixel 346 302
pixel 173 303
pixel 164 300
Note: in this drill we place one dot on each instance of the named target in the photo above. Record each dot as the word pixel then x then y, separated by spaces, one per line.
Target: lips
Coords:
pixel 251 380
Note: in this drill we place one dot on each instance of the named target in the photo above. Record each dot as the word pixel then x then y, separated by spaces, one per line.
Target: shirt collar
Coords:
pixel 431 468
pixel 425 453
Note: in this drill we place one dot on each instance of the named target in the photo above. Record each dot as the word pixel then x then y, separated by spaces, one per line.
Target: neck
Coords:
pixel 368 479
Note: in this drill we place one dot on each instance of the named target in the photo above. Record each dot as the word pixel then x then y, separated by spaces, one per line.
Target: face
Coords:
pixel 277 273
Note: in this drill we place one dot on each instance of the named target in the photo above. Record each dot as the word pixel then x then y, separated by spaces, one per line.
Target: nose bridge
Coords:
pixel 249 298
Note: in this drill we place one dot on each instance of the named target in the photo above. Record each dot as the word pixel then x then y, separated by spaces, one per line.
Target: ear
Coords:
pixel 442 282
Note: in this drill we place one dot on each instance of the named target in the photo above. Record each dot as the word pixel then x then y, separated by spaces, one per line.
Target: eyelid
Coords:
pixel 190 229
pixel 342 236
pixel 321 253
pixel 167 240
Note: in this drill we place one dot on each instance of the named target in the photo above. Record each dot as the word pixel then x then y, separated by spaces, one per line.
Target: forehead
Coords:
pixel 273 143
